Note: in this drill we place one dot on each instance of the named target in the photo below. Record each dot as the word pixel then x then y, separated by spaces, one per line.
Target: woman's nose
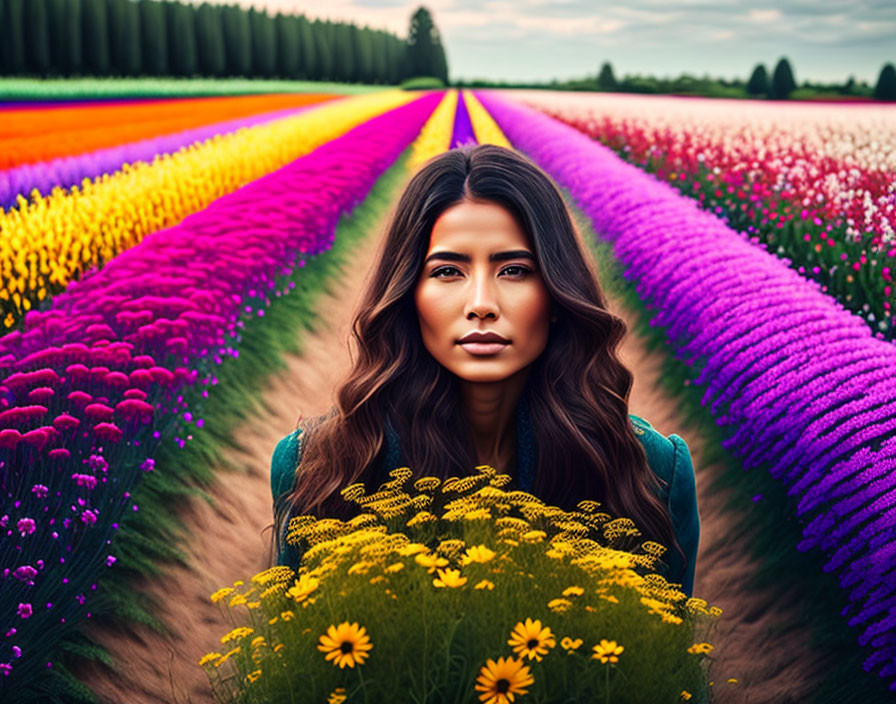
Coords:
pixel 482 298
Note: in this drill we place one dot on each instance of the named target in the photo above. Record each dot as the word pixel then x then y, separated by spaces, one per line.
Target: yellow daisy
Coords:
pixel 208 657
pixel 337 697
pixel 345 644
pixel 573 591
pixel 568 643
pixel 430 562
pixel 303 587
pixel 559 605
pixel 607 650
pixel 501 681
pixel 479 553
pixel 485 584
pixel 449 578
pixel 700 648
pixel 530 640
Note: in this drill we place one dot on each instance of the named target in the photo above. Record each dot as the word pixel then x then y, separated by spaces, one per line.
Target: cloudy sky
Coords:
pixel 544 39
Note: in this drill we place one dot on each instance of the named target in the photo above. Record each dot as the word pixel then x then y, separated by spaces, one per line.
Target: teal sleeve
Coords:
pixel 683 508
pixel 283 467
pixel 283 464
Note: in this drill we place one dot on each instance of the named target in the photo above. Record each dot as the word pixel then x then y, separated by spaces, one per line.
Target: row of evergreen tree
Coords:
pixel 778 86
pixel 64 38
pixel 782 82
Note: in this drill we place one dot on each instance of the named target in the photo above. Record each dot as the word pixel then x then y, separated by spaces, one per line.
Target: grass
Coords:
pixel 42 89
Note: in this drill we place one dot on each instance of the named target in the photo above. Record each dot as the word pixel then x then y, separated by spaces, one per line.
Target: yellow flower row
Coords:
pixel 484 127
pixel 54 239
pixel 435 137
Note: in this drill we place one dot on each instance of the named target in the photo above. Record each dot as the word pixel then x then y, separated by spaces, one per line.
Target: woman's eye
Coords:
pixel 443 270
pixel 521 270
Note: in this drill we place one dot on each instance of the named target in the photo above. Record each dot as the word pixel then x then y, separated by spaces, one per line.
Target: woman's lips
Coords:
pixel 483 348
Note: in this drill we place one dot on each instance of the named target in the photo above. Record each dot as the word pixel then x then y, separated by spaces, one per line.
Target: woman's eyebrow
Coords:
pixel 496 257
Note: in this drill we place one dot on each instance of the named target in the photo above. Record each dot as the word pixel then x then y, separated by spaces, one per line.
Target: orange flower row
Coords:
pixel 39 134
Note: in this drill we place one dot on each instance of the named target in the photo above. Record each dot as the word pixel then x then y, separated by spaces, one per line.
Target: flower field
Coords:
pixel 813 184
pixel 138 262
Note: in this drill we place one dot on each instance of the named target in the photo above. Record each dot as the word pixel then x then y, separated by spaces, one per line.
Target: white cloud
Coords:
pixel 763 16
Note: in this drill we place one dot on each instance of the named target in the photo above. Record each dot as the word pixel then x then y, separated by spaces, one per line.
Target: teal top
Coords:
pixel 668 457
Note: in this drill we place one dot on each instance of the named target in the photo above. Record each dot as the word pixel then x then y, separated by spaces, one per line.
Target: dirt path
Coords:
pixel 770 663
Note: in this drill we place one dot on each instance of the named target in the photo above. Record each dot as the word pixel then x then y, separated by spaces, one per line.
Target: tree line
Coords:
pixel 66 38
pixel 779 85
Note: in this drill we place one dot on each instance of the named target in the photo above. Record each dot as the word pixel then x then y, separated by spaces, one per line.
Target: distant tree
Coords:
pixel 73 51
pixel 37 37
pixel 849 87
pixel 264 44
pixel 886 83
pixel 210 40
pixel 12 41
pixel 605 79
pixel 154 38
pixel 758 83
pixel 181 40
pixel 783 82
pixel 307 49
pixel 425 54
pixel 95 37
pixel 288 46
pixel 343 51
pixel 237 41
pixel 58 36
pixel 323 53
pixel 366 66
pixel 124 30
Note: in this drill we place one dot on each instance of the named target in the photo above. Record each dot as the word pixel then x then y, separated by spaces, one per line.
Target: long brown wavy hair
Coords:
pixel 577 391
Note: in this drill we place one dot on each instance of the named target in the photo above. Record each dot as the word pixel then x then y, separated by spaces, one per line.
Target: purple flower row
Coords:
pixel 802 386
pixel 463 127
pixel 93 385
pixel 68 171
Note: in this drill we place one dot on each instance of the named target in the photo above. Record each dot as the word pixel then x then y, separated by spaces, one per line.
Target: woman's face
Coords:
pixel 480 275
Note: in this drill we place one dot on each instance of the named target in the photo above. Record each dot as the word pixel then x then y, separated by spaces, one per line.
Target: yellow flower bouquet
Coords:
pixel 460 591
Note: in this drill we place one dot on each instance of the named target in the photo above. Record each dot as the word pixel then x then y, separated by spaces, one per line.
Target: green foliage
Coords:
pixel 440 576
pixel 886 83
pixel 95 37
pixel 264 44
pixel 182 59
pixel 288 46
pixel 71 61
pixel 210 40
pixel 605 78
pixel 425 54
pixel 179 38
pixel 758 83
pixel 124 26
pixel 323 57
pixel 237 42
pixel 154 37
pixel 422 83
pixel 86 88
pixel 783 82
pixel 12 39
pixel 308 48
pixel 37 39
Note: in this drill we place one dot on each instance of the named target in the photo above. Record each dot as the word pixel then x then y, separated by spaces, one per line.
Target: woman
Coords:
pixel 484 338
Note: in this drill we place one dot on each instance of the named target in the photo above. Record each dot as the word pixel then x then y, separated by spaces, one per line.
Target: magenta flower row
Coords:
pixel 69 171
pixel 93 385
pixel 802 386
